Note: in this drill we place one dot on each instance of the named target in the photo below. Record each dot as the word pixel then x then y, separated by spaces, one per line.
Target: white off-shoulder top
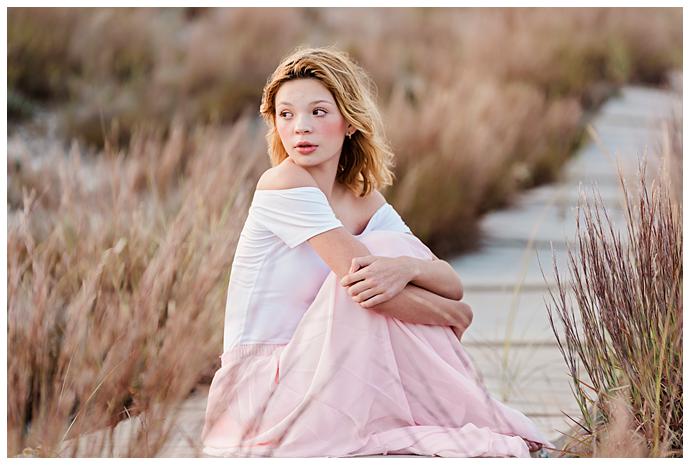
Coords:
pixel 275 273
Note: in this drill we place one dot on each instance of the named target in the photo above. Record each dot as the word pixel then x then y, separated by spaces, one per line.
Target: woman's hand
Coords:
pixel 372 280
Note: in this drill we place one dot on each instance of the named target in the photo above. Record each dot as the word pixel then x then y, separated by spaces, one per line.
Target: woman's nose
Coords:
pixel 302 129
pixel 302 126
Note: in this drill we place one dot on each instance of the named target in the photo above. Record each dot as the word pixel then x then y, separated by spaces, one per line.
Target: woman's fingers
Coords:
pixel 360 287
pixel 379 298
pixel 364 295
pixel 353 277
pixel 360 262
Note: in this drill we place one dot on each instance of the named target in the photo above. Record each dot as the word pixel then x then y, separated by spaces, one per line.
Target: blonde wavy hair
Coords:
pixel 366 159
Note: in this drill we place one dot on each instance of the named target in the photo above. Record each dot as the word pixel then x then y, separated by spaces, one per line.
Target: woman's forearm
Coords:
pixel 436 276
pixel 421 306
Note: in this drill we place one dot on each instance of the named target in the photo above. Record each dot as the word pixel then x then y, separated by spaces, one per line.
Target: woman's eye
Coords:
pixel 317 112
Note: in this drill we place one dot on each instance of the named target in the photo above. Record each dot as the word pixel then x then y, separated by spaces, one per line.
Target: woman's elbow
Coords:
pixel 456 292
pixel 459 292
pixel 464 315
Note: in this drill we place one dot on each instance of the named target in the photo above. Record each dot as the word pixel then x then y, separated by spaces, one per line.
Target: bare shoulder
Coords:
pixel 285 175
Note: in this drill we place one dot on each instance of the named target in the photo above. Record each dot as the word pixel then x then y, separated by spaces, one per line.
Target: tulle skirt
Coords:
pixel 354 382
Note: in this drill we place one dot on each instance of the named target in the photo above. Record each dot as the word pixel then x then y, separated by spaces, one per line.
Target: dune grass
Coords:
pixel 116 295
pixel 618 319
pixel 483 102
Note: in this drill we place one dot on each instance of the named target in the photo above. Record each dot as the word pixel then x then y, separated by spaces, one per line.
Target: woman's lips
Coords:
pixel 304 149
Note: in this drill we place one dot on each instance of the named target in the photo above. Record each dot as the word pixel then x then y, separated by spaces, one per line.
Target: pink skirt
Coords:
pixel 354 382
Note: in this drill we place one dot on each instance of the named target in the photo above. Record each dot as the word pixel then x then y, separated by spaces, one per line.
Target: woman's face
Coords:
pixel 309 123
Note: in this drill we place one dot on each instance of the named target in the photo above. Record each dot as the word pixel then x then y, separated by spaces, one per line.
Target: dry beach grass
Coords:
pixel 619 320
pixel 496 97
pixel 115 296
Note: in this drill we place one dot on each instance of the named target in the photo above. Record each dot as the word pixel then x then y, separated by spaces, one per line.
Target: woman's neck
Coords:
pixel 325 176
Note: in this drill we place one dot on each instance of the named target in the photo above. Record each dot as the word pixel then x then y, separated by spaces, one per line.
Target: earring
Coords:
pixel 349 135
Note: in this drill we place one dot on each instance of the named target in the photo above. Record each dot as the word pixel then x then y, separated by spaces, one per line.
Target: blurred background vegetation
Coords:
pixel 134 145
pixel 482 102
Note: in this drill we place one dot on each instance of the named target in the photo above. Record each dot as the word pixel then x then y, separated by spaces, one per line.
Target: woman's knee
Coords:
pixel 395 244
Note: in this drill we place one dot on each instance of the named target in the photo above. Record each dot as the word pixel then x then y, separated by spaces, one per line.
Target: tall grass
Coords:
pixel 482 141
pixel 484 102
pixel 116 295
pixel 618 322
pixel 214 61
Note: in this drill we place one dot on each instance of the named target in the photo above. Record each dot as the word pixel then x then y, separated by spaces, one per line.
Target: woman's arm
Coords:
pixel 413 304
pixel 370 275
pixel 436 276
pixel 416 305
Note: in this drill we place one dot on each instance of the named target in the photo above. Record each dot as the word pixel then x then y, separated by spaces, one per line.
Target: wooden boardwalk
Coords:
pixel 510 340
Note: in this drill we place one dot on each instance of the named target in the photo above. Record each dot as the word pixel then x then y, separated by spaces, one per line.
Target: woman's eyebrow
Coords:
pixel 310 103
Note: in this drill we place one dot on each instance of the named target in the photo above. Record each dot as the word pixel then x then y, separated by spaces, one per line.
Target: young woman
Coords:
pixel 342 328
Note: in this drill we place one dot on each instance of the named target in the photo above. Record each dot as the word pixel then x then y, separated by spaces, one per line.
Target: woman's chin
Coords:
pixel 307 160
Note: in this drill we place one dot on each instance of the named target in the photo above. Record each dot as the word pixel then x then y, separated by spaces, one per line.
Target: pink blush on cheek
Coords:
pixel 334 124
pixel 335 128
